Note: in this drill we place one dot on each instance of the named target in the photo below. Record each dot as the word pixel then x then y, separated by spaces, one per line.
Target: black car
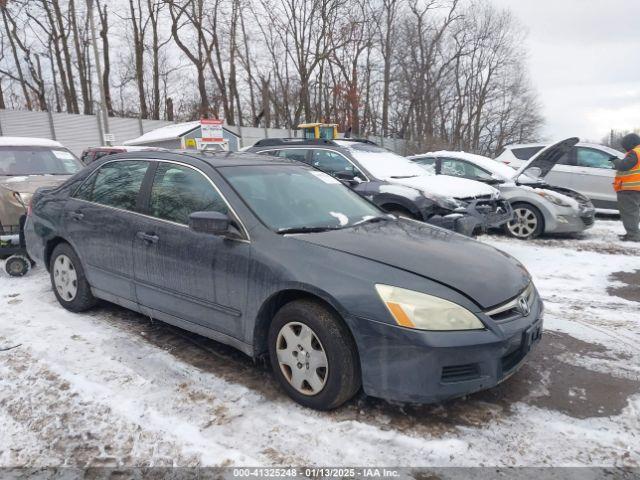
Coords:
pixel 397 185
pixel 285 263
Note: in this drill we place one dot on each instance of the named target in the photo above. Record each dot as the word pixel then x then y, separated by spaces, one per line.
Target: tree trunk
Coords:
pixel 138 52
pixel 106 60
pixel 81 61
pixel 67 57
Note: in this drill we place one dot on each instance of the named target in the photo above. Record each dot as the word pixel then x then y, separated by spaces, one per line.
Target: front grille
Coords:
pixel 510 310
pixel 460 373
pixel 588 221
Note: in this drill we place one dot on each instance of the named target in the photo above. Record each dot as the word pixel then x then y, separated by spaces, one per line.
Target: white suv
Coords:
pixel 586 168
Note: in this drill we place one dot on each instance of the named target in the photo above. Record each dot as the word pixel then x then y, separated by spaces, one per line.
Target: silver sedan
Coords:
pixel 538 207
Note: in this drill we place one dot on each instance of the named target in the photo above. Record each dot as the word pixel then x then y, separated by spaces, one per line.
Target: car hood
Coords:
pixel 547 158
pixel 485 274
pixel 30 183
pixel 446 186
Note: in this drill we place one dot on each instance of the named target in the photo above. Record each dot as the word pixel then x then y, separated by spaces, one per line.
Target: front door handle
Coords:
pixel 76 215
pixel 148 238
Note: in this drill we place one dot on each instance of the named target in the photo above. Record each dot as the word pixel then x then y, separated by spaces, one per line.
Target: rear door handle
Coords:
pixel 76 215
pixel 148 237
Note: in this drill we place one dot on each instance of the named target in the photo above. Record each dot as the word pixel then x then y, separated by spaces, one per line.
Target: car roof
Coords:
pixel 128 148
pixel 214 159
pixel 28 142
pixel 597 146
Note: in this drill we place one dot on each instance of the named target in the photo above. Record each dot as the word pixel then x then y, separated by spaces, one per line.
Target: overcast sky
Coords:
pixel 584 61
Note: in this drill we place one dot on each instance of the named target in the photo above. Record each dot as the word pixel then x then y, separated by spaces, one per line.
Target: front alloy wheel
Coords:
pixel 313 355
pixel 302 359
pixel 526 223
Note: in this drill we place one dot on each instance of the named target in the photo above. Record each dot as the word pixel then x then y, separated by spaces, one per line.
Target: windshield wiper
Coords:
pixel 370 220
pixel 306 229
pixel 403 176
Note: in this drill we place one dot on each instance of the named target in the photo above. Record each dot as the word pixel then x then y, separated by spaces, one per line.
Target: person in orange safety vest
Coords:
pixel 627 187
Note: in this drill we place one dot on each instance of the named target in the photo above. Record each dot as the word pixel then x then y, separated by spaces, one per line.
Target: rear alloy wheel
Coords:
pixel 68 280
pixel 527 222
pixel 313 355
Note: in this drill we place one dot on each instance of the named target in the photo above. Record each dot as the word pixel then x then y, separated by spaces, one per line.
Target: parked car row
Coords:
pixel 396 184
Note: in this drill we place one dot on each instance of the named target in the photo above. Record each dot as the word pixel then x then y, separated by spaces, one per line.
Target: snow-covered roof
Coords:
pixel 168 132
pixel 28 142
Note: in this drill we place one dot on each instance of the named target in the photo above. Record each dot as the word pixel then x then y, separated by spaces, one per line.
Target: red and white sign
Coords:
pixel 211 129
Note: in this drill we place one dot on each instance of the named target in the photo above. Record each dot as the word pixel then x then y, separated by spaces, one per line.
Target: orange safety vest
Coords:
pixel 629 180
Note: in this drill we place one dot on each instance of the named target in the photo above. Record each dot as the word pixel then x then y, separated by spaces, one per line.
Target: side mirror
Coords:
pixel 348 178
pixel 214 223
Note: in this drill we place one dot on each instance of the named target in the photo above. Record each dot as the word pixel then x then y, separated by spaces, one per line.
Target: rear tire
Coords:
pixel 527 222
pixel 17 265
pixel 68 280
pixel 313 355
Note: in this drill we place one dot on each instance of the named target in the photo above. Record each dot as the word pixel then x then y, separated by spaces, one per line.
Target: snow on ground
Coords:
pixel 110 387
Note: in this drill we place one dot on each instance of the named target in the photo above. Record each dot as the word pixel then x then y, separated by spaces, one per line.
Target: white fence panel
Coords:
pixel 78 132
pixel 24 124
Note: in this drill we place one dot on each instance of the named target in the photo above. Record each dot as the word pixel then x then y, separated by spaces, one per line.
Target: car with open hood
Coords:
pixel 538 207
pixel 27 164
pixel 287 264
pixel 396 185
pixel 586 168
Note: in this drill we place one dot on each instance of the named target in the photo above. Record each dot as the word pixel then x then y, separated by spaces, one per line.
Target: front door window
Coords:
pixel 178 191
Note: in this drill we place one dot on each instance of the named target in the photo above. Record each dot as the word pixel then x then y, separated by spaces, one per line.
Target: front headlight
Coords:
pixel 425 312
pixel 555 199
pixel 449 203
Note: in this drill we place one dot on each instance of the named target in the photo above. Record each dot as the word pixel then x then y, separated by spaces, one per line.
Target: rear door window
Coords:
pixel 178 191
pixel 115 184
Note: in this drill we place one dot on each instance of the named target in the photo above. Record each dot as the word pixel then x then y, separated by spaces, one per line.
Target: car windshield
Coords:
pixel 382 163
pixel 25 160
pixel 292 197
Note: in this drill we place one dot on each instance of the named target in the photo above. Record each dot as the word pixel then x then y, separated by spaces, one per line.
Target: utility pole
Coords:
pixel 103 98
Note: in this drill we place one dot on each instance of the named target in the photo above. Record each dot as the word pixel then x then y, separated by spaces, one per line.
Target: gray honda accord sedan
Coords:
pixel 285 263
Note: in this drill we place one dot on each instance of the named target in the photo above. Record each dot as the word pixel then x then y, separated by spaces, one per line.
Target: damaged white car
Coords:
pixel 538 207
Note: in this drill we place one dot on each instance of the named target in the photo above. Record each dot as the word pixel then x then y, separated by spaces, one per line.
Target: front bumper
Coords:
pixel 458 222
pixel 405 365
pixel 491 213
pixel 569 220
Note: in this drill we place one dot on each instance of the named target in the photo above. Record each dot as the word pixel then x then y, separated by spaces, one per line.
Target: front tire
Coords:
pixel 68 280
pixel 527 222
pixel 313 355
